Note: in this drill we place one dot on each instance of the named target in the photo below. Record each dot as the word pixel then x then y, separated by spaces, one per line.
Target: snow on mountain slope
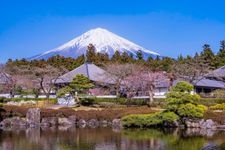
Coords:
pixel 104 42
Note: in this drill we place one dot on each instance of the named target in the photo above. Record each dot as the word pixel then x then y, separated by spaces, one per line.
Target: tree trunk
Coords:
pixel 77 98
pixel 150 98
pixel 151 94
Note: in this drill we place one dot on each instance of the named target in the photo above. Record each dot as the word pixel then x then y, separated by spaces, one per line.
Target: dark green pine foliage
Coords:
pixel 150 59
pixel 116 57
pixel 125 58
pixel 221 55
pixel 139 55
pixel 208 56
pixel 80 83
pixel 91 53
pixel 180 58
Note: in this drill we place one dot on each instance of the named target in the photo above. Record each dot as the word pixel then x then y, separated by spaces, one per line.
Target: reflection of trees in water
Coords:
pixel 100 138
pixel 71 138
pixel 169 139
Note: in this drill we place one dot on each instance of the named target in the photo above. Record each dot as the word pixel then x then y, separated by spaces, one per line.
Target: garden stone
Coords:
pixel 116 124
pixel 49 121
pixel 33 117
pixel 210 146
pixel 73 119
pixel 82 123
pixel 17 121
pixel 209 124
pixel 93 123
pixel 64 122
pixel 104 123
pixel 6 123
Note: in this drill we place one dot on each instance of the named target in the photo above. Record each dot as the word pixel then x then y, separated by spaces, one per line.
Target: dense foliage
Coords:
pixel 183 87
pixel 219 93
pixel 159 63
pixel 179 103
pixel 183 103
pixel 218 107
pixel 81 83
pixel 148 120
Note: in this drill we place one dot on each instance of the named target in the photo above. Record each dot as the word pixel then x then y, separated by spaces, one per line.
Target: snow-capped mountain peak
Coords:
pixel 103 40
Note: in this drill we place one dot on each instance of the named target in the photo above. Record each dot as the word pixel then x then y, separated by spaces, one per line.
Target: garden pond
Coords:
pixel 63 138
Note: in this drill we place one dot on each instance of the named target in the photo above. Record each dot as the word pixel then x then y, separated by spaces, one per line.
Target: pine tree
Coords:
pixel 139 55
pixel 180 58
pixel 81 83
pixel 91 53
pixel 116 57
pixel 221 55
pixel 208 56
pixel 150 59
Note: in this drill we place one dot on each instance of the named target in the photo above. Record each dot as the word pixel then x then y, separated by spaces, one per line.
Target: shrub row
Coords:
pixel 149 120
pixel 218 107
pixel 86 101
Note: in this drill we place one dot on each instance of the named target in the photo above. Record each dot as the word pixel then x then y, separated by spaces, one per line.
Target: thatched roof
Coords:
pixel 93 72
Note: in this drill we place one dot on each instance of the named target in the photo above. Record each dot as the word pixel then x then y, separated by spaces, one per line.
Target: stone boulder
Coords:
pixel 6 123
pixel 18 122
pixel 73 119
pixel 49 121
pixel 210 146
pixel 82 123
pixel 93 123
pixel 116 124
pixel 33 117
pixel 208 124
pixel 64 122
pixel 15 122
pixel 104 123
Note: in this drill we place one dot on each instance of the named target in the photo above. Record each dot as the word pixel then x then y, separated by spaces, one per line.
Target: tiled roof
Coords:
pixel 93 72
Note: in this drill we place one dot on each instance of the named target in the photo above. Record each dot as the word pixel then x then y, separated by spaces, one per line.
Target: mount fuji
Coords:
pixel 104 42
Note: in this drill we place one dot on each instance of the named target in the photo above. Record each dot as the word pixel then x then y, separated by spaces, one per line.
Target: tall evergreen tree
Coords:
pixel 180 58
pixel 91 53
pixel 139 55
pixel 221 54
pixel 116 57
pixel 208 56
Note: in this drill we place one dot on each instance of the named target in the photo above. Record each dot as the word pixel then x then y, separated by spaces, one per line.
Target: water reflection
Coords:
pixel 107 139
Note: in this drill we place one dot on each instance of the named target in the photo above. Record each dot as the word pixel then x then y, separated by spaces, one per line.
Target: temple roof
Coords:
pixel 93 72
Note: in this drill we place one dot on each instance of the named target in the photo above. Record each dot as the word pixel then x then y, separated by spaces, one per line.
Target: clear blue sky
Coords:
pixel 169 27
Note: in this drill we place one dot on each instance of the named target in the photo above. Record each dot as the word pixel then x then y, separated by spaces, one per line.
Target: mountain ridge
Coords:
pixel 104 42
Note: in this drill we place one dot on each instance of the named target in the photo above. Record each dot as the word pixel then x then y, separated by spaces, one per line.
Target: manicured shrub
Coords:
pixel 2 99
pixel 183 103
pixel 87 101
pixel 218 107
pixel 143 121
pixel 183 87
pixel 121 101
pixel 168 116
pixel 191 110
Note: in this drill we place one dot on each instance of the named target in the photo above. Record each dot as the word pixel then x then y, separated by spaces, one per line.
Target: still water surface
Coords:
pixel 108 139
